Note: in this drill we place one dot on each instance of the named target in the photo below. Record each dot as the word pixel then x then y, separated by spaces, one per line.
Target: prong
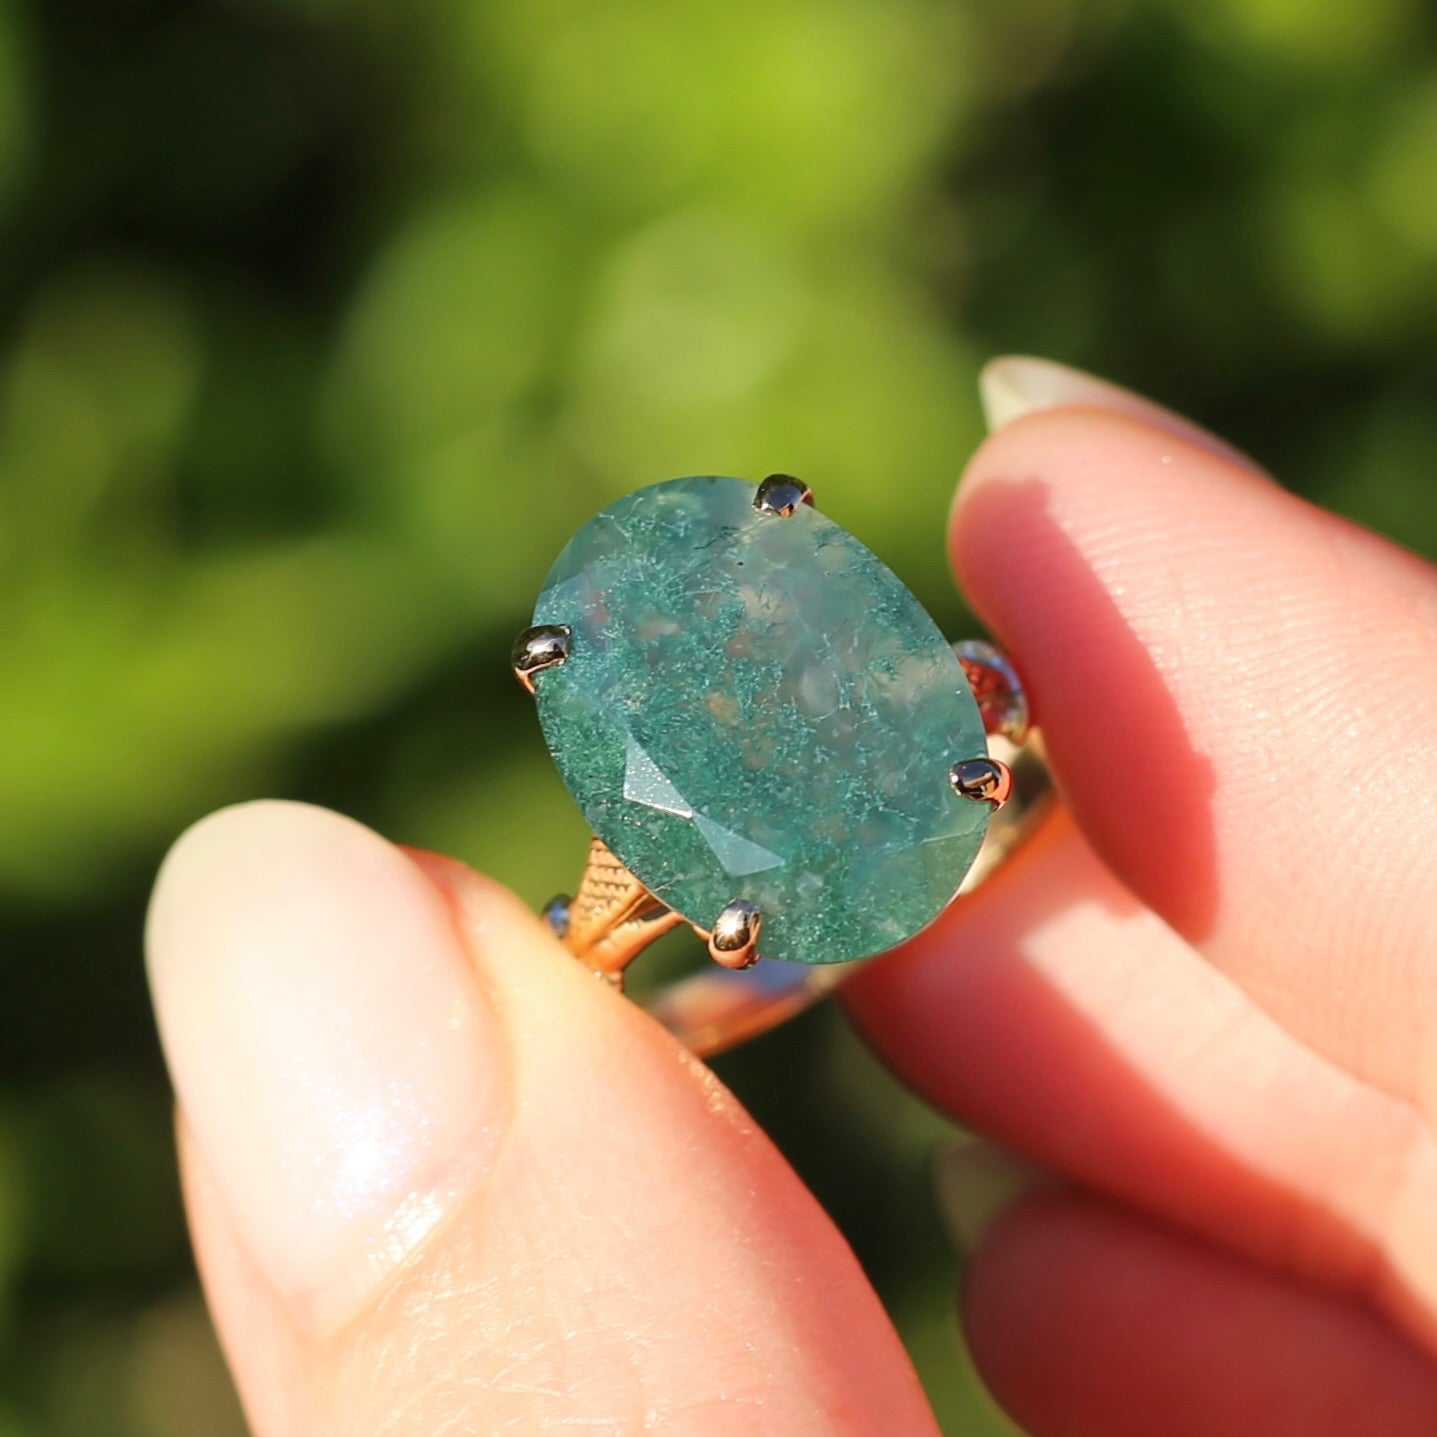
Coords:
pixel 985 779
pixel 541 647
pixel 556 915
pixel 734 940
pixel 781 494
pixel 995 683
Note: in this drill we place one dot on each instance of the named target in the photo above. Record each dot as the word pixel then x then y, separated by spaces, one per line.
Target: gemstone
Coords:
pixel 754 706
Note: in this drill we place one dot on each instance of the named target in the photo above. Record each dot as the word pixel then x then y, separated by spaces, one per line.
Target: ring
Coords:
pixel 772 742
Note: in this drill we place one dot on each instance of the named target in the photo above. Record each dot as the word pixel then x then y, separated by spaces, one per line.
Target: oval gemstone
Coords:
pixel 754 706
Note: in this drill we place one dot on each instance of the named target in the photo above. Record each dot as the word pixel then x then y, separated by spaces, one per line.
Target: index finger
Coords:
pixel 1239 697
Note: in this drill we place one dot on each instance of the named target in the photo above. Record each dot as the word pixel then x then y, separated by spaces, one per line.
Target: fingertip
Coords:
pixel 1094 465
pixel 1202 649
pixel 1079 535
pixel 603 1238
pixel 1083 1317
pixel 342 1070
pixel 204 856
pixel 1012 386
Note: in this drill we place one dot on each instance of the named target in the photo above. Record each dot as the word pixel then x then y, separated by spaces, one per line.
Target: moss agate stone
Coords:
pixel 756 707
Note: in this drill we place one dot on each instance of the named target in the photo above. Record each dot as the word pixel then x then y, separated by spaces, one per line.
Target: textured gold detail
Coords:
pixel 613 917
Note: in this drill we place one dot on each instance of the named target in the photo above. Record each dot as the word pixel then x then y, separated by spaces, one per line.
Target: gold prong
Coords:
pixel 734 940
pixel 985 779
pixel 612 918
pixel 781 494
pixel 541 647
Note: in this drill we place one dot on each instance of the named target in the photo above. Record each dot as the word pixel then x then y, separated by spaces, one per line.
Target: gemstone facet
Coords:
pixel 753 707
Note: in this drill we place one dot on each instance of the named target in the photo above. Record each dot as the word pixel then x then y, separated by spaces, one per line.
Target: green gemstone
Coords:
pixel 756 707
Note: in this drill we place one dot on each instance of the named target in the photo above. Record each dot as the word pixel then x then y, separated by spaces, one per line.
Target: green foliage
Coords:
pixel 326 321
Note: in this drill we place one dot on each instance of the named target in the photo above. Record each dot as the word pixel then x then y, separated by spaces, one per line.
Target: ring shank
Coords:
pixel 718 1008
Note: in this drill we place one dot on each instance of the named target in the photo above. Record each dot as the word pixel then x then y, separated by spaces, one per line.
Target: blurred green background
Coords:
pixel 323 323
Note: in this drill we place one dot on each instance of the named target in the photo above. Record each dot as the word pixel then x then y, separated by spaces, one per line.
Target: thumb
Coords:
pixel 442 1180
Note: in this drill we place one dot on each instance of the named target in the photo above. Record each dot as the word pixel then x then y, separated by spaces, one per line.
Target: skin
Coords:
pixel 1202 1000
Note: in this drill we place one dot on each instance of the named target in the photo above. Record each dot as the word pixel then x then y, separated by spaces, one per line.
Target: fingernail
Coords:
pixel 1014 385
pixel 330 1043
pixel 975 1183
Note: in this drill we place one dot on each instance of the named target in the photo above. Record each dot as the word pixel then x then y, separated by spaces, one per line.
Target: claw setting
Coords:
pixel 982 779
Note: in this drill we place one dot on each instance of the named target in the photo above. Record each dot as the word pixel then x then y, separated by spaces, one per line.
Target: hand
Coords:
pixel 441 1180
